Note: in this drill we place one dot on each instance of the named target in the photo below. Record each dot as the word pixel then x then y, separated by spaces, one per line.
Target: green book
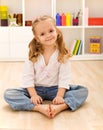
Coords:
pixel 76 47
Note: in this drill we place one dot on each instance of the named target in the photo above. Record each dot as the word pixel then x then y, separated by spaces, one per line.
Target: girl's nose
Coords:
pixel 48 34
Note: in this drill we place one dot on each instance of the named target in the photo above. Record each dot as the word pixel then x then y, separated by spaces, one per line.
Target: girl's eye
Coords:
pixel 51 30
pixel 42 34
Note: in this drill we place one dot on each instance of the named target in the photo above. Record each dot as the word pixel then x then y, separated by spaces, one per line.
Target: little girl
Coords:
pixel 46 74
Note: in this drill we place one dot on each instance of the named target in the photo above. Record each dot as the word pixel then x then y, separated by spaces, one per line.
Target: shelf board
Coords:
pixel 88 57
pixel 62 27
pixel 77 57
pixel 100 27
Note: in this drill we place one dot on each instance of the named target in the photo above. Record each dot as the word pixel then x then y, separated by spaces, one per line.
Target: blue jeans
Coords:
pixel 19 99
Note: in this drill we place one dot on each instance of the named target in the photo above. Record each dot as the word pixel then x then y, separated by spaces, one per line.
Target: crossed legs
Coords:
pixel 19 99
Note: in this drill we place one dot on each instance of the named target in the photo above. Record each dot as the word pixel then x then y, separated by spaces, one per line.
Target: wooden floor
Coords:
pixel 88 117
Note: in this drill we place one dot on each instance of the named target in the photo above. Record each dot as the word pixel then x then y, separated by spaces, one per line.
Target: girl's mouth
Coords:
pixel 49 39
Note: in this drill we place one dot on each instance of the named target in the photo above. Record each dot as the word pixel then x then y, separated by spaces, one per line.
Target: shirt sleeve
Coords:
pixel 64 75
pixel 28 75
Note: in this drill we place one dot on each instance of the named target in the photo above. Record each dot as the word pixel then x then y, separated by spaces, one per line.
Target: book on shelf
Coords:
pixel 80 48
pixel 95 21
pixel 76 47
pixel 72 46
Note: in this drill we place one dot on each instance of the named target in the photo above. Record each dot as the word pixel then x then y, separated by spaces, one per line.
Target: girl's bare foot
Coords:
pixel 55 109
pixel 44 109
pixel 50 110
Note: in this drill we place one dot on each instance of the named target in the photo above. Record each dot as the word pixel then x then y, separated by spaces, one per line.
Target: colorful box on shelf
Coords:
pixel 95 21
pixel 95 50
pixel 3 12
pixel 95 45
pixel 4 15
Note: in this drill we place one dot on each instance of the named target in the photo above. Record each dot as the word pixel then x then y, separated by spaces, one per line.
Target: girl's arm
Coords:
pixel 28 81
pixel 61 92
pixel 64 75
pixel 35 98
pixel 59 97
pixel 31 91
pixel 28 75
pixel 63 84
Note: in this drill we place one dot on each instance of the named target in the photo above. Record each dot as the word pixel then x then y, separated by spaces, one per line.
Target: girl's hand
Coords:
pixel 36 99
pixel 58 100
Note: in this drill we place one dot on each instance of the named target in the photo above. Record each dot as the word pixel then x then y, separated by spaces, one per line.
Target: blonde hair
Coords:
pixel 35 48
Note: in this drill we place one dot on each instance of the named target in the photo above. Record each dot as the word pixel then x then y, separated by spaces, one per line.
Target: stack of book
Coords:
pixel 95 45
pixel 76 47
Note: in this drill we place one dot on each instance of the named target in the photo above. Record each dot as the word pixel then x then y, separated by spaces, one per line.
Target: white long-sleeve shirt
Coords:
pixel 40 74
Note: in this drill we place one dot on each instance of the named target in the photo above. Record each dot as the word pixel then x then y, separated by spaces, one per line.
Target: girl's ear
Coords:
pixel 58 36
pixel 58 33
pixel 37 39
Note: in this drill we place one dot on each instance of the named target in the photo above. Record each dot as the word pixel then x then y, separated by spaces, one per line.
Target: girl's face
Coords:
pixel 46 33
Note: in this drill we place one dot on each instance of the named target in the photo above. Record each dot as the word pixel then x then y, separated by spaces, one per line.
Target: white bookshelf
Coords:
pixel 14 40
pixel 95 10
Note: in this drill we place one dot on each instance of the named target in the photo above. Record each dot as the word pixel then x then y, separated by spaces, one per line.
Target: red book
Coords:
pixel 95 21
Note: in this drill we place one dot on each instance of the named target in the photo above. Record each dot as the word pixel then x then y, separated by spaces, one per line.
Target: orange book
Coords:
pixel 95 21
